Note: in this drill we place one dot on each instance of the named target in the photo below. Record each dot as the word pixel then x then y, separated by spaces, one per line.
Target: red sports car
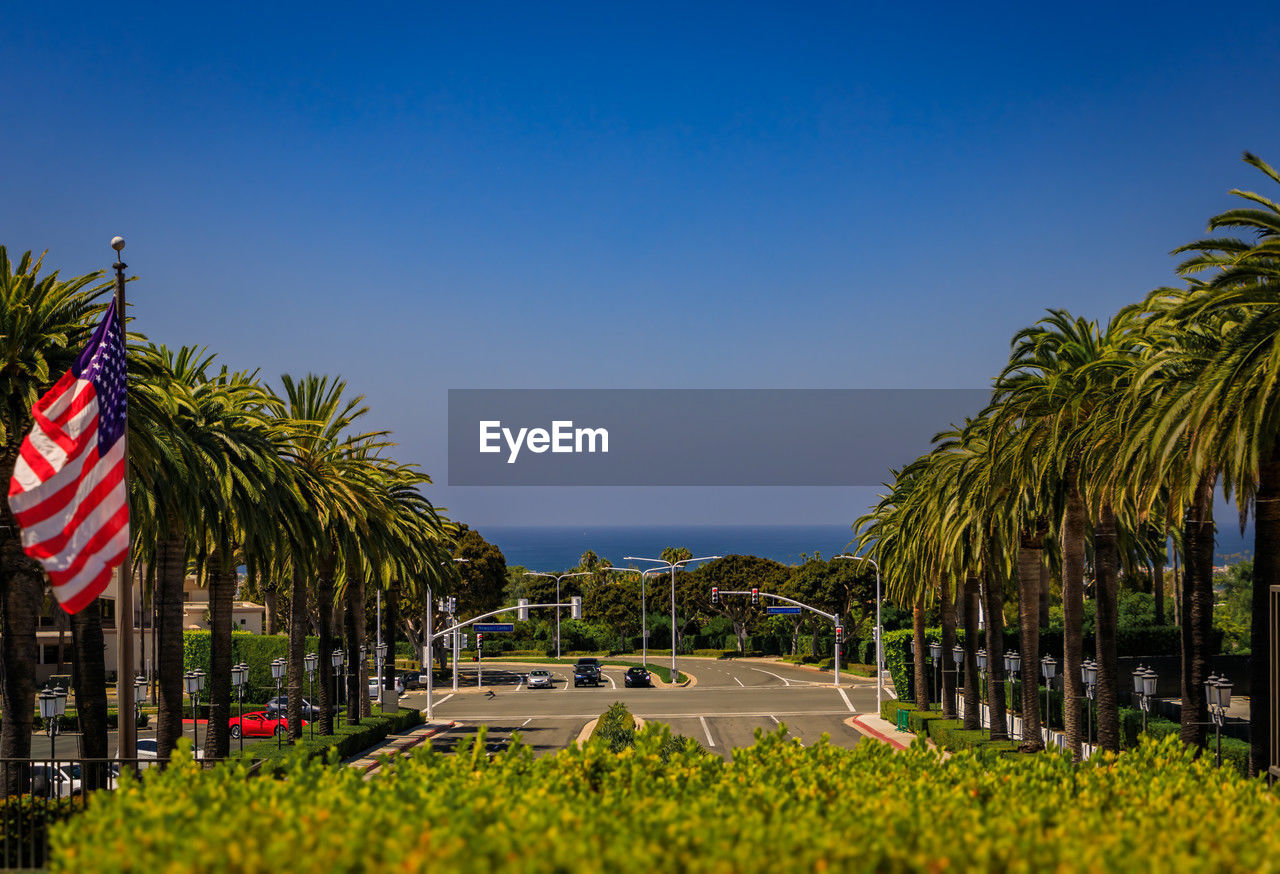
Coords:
pixel 259 724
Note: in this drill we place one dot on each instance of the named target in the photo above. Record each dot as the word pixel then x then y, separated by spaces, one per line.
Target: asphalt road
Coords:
pixel 731 700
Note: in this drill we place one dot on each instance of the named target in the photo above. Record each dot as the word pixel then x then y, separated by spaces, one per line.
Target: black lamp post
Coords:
pixel 336 660
pixel 311 661
pixel 935 653
pixel 982 678
pixel 1048 670
pixel 957 656
pixel 380 655
pixel 1089 676
pixel 1144 689
pixel 240 676
pixel 195 685
pixel 139 697
pixel 277 673
pixel 1012 663
pixel 53 704
pixel 1217 692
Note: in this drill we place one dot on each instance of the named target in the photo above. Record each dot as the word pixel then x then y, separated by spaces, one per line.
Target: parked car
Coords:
pixel 636 676
pixel 260 724
pixel 310 710
pixel 540 679
pixel 587 670
pixel 55 781
pixel 401 686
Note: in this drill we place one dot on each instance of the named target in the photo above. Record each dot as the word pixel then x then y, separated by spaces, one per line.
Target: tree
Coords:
pixel 742 573
pixel 44 322
pixel 483 577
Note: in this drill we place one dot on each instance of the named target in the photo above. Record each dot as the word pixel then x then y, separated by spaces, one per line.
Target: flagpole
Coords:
pixel 124 590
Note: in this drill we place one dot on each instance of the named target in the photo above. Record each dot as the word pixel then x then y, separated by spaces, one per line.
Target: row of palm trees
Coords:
pixel 1107 439
pixel 226 473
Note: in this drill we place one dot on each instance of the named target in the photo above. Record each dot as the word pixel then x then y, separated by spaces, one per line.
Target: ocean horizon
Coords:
pixel 560 547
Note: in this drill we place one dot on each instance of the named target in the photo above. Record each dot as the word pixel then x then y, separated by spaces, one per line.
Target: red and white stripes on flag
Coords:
pixel 69 492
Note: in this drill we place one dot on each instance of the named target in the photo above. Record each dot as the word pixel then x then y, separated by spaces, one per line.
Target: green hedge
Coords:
pixel 346 740
pixel 865 809
pixel 1235 752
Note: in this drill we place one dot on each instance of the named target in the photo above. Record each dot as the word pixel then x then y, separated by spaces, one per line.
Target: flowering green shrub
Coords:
pixel 776 806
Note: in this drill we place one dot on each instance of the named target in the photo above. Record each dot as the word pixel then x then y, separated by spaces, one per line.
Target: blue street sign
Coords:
pixel 495 626
pixel 782 611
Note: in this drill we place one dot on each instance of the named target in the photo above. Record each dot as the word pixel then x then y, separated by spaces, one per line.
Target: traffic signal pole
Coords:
pixel 756 595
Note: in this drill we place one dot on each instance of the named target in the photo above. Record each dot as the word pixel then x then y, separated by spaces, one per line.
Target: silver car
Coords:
pixel 540 679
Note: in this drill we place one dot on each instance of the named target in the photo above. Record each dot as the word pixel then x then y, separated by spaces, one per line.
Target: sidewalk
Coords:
pixel 396 744
pixel 881 730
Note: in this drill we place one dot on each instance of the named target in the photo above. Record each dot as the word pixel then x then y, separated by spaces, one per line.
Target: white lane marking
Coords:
pixel 784 680
pixel 775 719
pixel 442 700
pixel 847 702
pixel 703 720
pixel 610 679
pixel 526 722
pixel 520 684
pixel 739 682
pixel 564 688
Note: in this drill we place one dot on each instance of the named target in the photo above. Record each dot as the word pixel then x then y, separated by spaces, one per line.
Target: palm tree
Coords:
pixel 44 322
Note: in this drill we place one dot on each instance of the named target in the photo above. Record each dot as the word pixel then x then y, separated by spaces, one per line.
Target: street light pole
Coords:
pixel 879 630
pixel 557 578
pixel 672 565
pixel 644 613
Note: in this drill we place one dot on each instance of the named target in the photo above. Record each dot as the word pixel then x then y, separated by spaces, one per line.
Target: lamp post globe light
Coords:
pixel 1089 676
pixel 139 697
pixel 278 667
pixel 311 662
pixel 1012 663
pixel 240 676
pixel 194 681
pixel 1048 670
pixel 336 658
pixel 935 653
pixel 982 678
pixel 380 659
pixel 53 704
pixel 1144 689
pixel 1217 693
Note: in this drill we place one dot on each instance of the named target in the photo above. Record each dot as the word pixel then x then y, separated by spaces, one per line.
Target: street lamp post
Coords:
pixel 879 630
pixel 240 676
pixel 558 578
pixel 1012 662
pixel 1217 692
pixel 644 612
pixel 277 673
pixel 957 656
pixel 139 697
pixel 1048 670
pixel 935 653
pixel 1144 689
pixel 53 704
pixel 336 659
pixel 380 657
pixel 1089 676
pixel 311 662
pixel 671 566
pixel 195 685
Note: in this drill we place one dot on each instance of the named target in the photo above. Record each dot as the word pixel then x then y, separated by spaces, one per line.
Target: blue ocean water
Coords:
pixel 557 548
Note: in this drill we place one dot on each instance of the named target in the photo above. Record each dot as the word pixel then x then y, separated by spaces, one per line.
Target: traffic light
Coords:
pixel 575 607
pixel 479 641
pixel 755 597
pixel 839 634
pixel 715 594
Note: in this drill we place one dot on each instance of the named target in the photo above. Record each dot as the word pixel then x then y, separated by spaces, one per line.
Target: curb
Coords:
pixel 404 748
pixel 855 722
pixel 591 726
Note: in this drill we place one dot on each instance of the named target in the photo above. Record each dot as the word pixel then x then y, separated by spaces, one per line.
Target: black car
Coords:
pixel 310 711
pixel 587 670
pixel 636 676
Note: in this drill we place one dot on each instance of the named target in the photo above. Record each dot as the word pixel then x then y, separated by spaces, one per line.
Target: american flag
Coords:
pixel 68 490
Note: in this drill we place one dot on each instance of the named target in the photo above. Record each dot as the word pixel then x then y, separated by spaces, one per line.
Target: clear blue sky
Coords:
pixel 643 195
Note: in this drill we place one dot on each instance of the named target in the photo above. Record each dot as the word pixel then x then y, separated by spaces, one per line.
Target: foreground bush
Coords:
pixel 776 806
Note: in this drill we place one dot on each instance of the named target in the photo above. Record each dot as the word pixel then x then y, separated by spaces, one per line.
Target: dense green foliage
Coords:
pixel 346 740
pixel 777 806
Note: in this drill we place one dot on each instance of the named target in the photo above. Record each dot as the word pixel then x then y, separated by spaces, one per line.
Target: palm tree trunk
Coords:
pixel 994 593
pixel 972 699
pixel 298 626
pixel 89 659
pixel 1106 561
pixel 271 599
pixel 1030 561
pixel 222 593
pixel 324 629
pixel 1198 540
pixel 1157 583
pixel 1266 573
pixel 1073 613
pixel 1178 618
pixel 1046 581
pixel 353 601
pixel 921 672
pixel 391 616
pixel 947 589
pixel 23 593
pixel 171 571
